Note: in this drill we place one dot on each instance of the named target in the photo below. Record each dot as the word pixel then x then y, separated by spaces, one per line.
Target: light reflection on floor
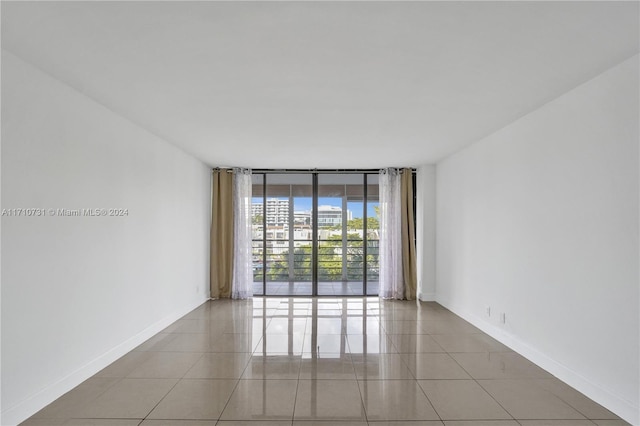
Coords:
pixel 303 288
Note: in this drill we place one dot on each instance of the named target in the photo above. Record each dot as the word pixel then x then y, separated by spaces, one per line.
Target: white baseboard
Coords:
pixel 31 405
pixel 627 410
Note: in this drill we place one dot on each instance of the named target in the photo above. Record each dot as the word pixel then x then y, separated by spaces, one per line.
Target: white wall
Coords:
pixel 426 231
pixel 78 292
pixel 540 221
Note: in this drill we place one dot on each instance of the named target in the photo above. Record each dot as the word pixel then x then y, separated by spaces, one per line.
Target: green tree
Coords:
pixel 302 262
pixel 372 223
pixel 329 261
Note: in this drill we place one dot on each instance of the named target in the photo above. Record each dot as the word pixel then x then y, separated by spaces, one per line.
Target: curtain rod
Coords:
pixel 319 171
pixel 342 171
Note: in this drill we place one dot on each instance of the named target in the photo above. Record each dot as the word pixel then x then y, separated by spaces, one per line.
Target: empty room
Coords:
pixel 306 213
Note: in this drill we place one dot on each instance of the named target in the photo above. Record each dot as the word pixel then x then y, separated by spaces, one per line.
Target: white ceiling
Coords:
pixel 321 84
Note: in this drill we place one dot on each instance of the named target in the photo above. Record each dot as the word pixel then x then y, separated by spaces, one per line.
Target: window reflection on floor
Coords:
pixel 301 288
pixel 318 328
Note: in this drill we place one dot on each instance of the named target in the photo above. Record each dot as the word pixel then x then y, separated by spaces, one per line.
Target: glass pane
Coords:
pixel 373 234
pixel 288 234
pixel 256 232
pixel 282 231
pixel 340 231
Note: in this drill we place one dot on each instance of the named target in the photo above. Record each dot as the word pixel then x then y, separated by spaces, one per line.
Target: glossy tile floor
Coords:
pixel 303 361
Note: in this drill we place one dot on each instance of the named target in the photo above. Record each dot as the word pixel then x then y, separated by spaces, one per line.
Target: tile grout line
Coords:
pixel 362 404
pixel 415 380
pixel 218 420
pixel 172 387
pixel 295 397
pixel 483 388
pixel 568 403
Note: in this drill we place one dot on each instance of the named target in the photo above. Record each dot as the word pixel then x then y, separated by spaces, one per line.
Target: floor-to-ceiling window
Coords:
pixel 315 233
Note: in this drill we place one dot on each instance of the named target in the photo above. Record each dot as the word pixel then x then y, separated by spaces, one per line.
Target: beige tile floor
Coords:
pixel 305 361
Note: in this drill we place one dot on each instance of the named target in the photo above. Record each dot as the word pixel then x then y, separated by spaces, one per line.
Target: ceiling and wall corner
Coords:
pixel 321 84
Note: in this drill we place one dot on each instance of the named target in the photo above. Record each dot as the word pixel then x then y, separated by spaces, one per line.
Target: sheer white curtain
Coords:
pixel 242 283
pixel 391 278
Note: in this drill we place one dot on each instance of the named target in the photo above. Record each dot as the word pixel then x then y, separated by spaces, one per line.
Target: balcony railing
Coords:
pixel 337 261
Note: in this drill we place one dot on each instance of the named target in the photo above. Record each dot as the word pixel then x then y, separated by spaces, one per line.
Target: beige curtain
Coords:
pixel 408 235
pixel 221 272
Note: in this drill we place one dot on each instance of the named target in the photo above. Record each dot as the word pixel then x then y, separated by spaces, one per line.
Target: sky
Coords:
pixel 304 204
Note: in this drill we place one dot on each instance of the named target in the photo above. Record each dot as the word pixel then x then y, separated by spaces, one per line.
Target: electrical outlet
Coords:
pixel 487 310
pixel 503 318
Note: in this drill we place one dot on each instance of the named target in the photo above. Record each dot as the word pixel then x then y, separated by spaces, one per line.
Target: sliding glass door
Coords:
pixel 282 234
pixel 315 233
